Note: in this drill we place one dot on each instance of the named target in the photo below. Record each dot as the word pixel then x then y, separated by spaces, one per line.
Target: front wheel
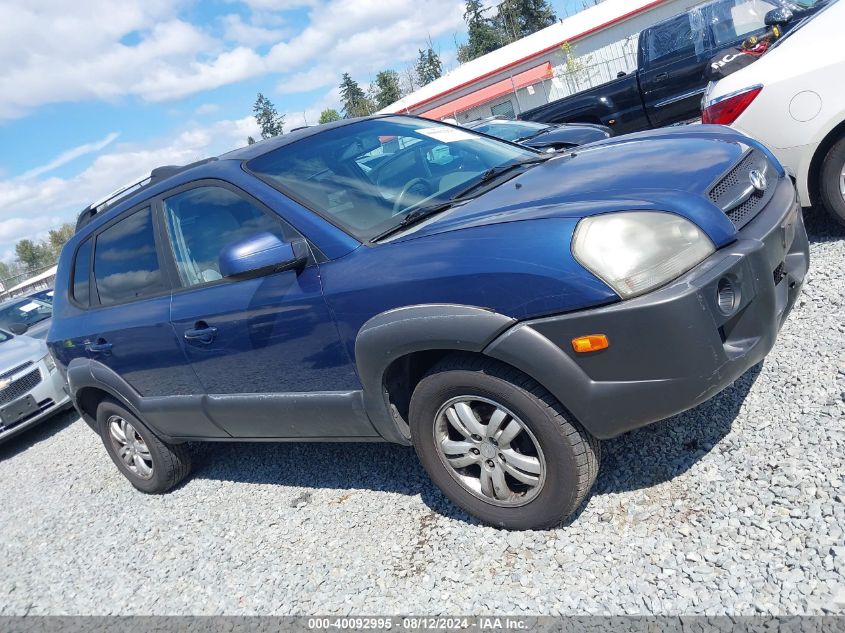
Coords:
pixel 499 445
pixel 832 181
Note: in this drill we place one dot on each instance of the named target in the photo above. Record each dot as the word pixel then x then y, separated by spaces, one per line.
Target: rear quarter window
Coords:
pixel 81 274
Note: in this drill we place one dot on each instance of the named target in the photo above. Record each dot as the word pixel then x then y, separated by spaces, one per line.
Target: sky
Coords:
pixel 95 93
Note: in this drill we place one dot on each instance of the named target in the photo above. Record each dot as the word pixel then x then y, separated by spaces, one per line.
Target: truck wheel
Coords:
pixel 499 445
pixel 832 182
pixel 148 463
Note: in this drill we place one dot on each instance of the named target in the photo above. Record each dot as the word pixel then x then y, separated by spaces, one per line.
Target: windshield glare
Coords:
pixel 510 130
pixel 366 176
pixel 26 311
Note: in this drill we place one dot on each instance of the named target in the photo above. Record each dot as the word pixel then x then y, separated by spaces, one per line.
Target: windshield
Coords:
pixel 368 175
pixel 510 130
pixel 26 311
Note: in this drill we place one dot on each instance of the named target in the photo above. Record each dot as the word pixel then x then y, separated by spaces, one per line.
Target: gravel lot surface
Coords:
pixel 734 507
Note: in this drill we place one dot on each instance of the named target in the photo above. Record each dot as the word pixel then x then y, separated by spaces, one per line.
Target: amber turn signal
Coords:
pixel 590 343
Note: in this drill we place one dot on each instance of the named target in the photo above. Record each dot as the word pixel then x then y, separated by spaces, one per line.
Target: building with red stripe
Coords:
pixel 602 41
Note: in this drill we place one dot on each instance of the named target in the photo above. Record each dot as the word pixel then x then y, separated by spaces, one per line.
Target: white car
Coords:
pixel 31 389
pixel 793 100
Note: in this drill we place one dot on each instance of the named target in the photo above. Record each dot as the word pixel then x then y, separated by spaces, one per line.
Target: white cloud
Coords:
pixel 53 51
pixel 30 206
pixel 71 154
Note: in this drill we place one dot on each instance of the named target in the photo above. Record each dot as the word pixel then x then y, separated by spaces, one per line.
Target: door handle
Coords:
pixel 100 347
pixel 661 77
pixel 201 332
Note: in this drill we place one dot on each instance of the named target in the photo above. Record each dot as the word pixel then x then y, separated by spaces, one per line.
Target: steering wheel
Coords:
pixel 420 184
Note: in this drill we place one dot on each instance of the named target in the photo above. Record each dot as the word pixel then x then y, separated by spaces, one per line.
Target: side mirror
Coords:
pixel 781 15
pixel 262 253
pixel 18 328
pixel 621 74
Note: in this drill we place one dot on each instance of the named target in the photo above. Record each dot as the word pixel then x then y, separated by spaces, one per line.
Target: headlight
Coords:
pixel 636 251
pixel 51 364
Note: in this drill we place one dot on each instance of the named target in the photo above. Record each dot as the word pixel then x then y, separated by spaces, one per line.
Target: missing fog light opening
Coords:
pixel 726 296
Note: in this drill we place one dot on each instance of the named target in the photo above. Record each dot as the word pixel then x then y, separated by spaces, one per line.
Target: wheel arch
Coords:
pixel 395 348
pixel 817 161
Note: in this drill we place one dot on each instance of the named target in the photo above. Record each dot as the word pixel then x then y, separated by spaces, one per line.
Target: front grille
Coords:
pixel 20 387
pixel 726 192
pixel 16 370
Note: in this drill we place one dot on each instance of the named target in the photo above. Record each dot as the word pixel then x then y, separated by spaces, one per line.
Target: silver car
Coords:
pixel 30 387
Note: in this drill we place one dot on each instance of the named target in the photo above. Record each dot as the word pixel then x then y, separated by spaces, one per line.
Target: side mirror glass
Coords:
pixel 262 253
pixel 781 15
pixel 18 328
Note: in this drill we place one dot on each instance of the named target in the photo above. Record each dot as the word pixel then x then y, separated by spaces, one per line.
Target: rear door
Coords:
pixel 271 362
pixel 125 325
pixel 674 55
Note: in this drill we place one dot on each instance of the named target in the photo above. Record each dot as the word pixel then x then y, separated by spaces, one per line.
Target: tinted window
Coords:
pixel 201 222
pixel 125 262
pixel 81 269
pixel 678 37
pixel 28 311
pixel 736 19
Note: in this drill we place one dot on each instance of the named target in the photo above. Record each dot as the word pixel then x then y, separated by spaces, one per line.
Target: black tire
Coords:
pixel 171 463
pixel 830 181
pixel 571 454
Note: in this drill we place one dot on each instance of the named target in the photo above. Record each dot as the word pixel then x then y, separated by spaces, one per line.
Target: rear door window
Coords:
pixel 679 37
pixel 126 265
pixel 736 19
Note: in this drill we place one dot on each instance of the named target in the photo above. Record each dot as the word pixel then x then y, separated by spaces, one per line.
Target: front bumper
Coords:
pixel 50 396
pixel 672 348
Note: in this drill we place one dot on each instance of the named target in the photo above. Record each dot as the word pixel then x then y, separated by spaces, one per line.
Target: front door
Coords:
pixel 265 349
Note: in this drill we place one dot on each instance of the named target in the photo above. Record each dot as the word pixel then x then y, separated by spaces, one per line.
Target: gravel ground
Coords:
pixel 735 507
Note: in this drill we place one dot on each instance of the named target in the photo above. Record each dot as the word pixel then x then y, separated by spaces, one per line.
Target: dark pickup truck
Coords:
pixel 672 57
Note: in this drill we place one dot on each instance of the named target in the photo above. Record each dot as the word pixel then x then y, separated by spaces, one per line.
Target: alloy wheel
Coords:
pixel 489 451
pixel 130 447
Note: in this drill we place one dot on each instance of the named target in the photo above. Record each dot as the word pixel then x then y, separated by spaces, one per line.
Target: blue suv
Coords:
pixel 394 278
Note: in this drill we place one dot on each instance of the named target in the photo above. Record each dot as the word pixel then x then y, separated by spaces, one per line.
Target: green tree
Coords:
pixel 482 36
pixel 328 115
pixel 9 272
pixel 355 101
pixel 33 255
pixel 57 237
pixel 516 19
pixel 270 122
pixel 386 90
pixel 429 66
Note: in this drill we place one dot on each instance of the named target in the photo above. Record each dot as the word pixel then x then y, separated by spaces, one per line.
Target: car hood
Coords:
pixel 19 350
pixel 569 134
pixel 666 170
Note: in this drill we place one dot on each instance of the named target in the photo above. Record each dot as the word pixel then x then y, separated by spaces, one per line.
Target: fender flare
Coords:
pixel 84 372
pixel 395 333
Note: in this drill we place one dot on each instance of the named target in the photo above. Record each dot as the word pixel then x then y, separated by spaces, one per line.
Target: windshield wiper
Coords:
pixel 418 215
pixel 422 213
pixel 495 172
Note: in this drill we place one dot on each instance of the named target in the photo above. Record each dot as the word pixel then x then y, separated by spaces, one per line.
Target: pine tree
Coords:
pixel 519 18
pixel 386 89
pixel 482 36
pixel 429 66
pixel 328 115
pixel 270 122
pixel 355 101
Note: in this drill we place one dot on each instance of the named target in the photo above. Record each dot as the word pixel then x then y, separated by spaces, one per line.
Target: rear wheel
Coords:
pixel 499 445
pixel 832 181
pixel 149 464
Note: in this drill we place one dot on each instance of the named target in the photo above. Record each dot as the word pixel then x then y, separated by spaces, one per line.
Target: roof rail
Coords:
pixel 156 175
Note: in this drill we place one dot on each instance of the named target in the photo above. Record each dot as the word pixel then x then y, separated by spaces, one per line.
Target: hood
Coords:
pixel 20 349
pixel 665 170
pixel 569 134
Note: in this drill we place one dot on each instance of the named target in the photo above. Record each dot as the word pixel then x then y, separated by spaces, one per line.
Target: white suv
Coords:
pixel 793 99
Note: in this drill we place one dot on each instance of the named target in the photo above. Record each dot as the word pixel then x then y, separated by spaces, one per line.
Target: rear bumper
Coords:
pixel 51 397
pixel 672 348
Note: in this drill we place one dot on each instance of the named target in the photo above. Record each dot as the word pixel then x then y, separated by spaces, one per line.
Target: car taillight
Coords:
pixel 727 110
